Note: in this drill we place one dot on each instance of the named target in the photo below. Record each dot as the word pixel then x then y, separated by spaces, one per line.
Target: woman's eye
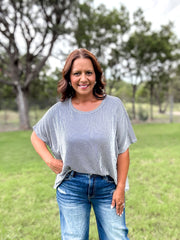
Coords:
pixel 76 74
pixel 89 73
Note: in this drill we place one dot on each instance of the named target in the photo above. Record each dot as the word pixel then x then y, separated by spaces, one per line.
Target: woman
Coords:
pixel 89 134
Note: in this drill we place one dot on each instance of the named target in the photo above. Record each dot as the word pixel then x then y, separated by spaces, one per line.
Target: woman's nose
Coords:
pixel 83 77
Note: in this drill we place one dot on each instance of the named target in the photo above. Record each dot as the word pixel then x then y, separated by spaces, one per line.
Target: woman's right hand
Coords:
pixel 56 165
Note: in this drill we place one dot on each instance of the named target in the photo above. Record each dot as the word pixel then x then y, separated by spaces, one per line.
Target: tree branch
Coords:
pixel 7 82
pixel 39 66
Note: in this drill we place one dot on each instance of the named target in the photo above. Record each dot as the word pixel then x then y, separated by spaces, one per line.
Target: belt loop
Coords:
pixel 73 173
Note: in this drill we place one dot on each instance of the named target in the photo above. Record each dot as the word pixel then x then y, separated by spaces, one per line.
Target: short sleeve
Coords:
pixel 43 128
pixel 125 132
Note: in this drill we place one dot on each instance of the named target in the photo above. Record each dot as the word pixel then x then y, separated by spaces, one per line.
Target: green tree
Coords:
pixel 161 52
pixel 134 53
pixel 173 90
pixel 100 30
pixel 43 91
pixel 116 56
pixel 28 32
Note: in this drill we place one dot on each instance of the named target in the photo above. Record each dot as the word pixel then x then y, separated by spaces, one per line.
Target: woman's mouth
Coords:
pixel 83 86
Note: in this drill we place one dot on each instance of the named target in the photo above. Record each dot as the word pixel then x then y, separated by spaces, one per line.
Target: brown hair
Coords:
pixel 64 87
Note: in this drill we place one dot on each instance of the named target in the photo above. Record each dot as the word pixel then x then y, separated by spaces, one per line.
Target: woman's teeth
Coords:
pixel 83 86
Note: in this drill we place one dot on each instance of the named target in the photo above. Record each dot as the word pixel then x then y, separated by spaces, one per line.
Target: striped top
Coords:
pixel 87 142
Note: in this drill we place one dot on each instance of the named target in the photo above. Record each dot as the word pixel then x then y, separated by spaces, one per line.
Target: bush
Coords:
pixel 143 114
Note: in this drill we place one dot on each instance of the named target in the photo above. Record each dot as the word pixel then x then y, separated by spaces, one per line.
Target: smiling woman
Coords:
pixel 83 77
pixel 81 63
pixel 89 134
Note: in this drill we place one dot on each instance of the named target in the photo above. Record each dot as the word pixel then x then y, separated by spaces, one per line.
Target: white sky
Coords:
pixel 158 12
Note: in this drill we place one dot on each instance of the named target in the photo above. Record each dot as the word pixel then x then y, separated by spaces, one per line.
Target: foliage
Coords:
pixel 142 114
pixel 43 93
pixel 28 32
pixel 28 205
pixel 7 98
pixel 119 89
pixel 99 29
pixel 176 85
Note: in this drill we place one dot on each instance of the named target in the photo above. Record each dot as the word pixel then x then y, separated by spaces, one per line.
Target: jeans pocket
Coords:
pixel 109 179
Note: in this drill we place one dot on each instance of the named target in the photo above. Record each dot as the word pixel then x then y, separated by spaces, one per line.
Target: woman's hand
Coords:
pixel 122 170
pixel 118 200
pixel 56 165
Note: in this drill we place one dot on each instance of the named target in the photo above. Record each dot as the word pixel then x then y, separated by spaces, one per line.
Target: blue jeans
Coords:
pixel 75 196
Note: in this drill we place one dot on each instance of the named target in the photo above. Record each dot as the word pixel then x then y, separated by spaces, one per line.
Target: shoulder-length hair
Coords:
pixel 64 87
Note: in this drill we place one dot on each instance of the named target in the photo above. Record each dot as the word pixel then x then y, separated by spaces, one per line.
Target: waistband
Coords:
pixel 74 173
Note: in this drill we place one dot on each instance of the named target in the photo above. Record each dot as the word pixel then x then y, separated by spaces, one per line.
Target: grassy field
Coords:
pixel 28 208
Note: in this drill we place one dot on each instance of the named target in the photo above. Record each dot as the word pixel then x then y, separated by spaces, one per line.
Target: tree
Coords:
pixel 43 91
pixel 100 29
pixel 134 53
pixel 28 32
pixel 161 52
pixel 116 58
pixel 173 90
pixel 149 56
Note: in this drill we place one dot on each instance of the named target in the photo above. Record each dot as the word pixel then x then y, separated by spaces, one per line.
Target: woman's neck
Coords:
pixel 84 99
pixel 86 104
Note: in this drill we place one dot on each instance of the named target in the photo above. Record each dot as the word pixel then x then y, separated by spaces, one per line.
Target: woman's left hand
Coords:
pixel 118 200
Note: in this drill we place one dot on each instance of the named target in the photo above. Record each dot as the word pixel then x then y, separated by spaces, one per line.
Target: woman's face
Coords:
pixel 83 77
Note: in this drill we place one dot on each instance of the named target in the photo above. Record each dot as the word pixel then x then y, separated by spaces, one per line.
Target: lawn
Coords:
pixel 28 208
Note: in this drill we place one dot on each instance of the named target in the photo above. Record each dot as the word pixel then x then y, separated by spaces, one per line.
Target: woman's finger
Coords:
pixel 120 207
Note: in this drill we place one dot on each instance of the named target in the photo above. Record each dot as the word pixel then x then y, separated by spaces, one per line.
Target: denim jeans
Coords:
pixel 75 196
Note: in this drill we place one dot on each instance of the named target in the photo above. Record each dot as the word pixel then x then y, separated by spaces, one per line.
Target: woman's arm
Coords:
pixel 122 171
pixel 41 148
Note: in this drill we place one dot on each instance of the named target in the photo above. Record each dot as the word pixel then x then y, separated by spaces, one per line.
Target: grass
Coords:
pixel 28 208
pixel 153 206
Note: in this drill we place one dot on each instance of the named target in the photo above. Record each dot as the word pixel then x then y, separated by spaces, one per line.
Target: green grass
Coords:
pixel 28 208
pixel 153 200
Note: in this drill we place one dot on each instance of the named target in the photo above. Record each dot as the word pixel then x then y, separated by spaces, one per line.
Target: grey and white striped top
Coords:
pixel 87 142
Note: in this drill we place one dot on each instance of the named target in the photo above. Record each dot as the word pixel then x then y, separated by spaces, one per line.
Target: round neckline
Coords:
pixel 87 112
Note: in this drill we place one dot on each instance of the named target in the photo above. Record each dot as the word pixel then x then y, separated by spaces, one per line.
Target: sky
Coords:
pixel 158 12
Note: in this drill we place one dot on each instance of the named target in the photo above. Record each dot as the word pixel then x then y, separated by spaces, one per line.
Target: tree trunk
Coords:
pixel 22 102
pixel 151 101
pixel 171 101
pixel 158 90
pixel 110 85
pixel 171 105
pixel 133 101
